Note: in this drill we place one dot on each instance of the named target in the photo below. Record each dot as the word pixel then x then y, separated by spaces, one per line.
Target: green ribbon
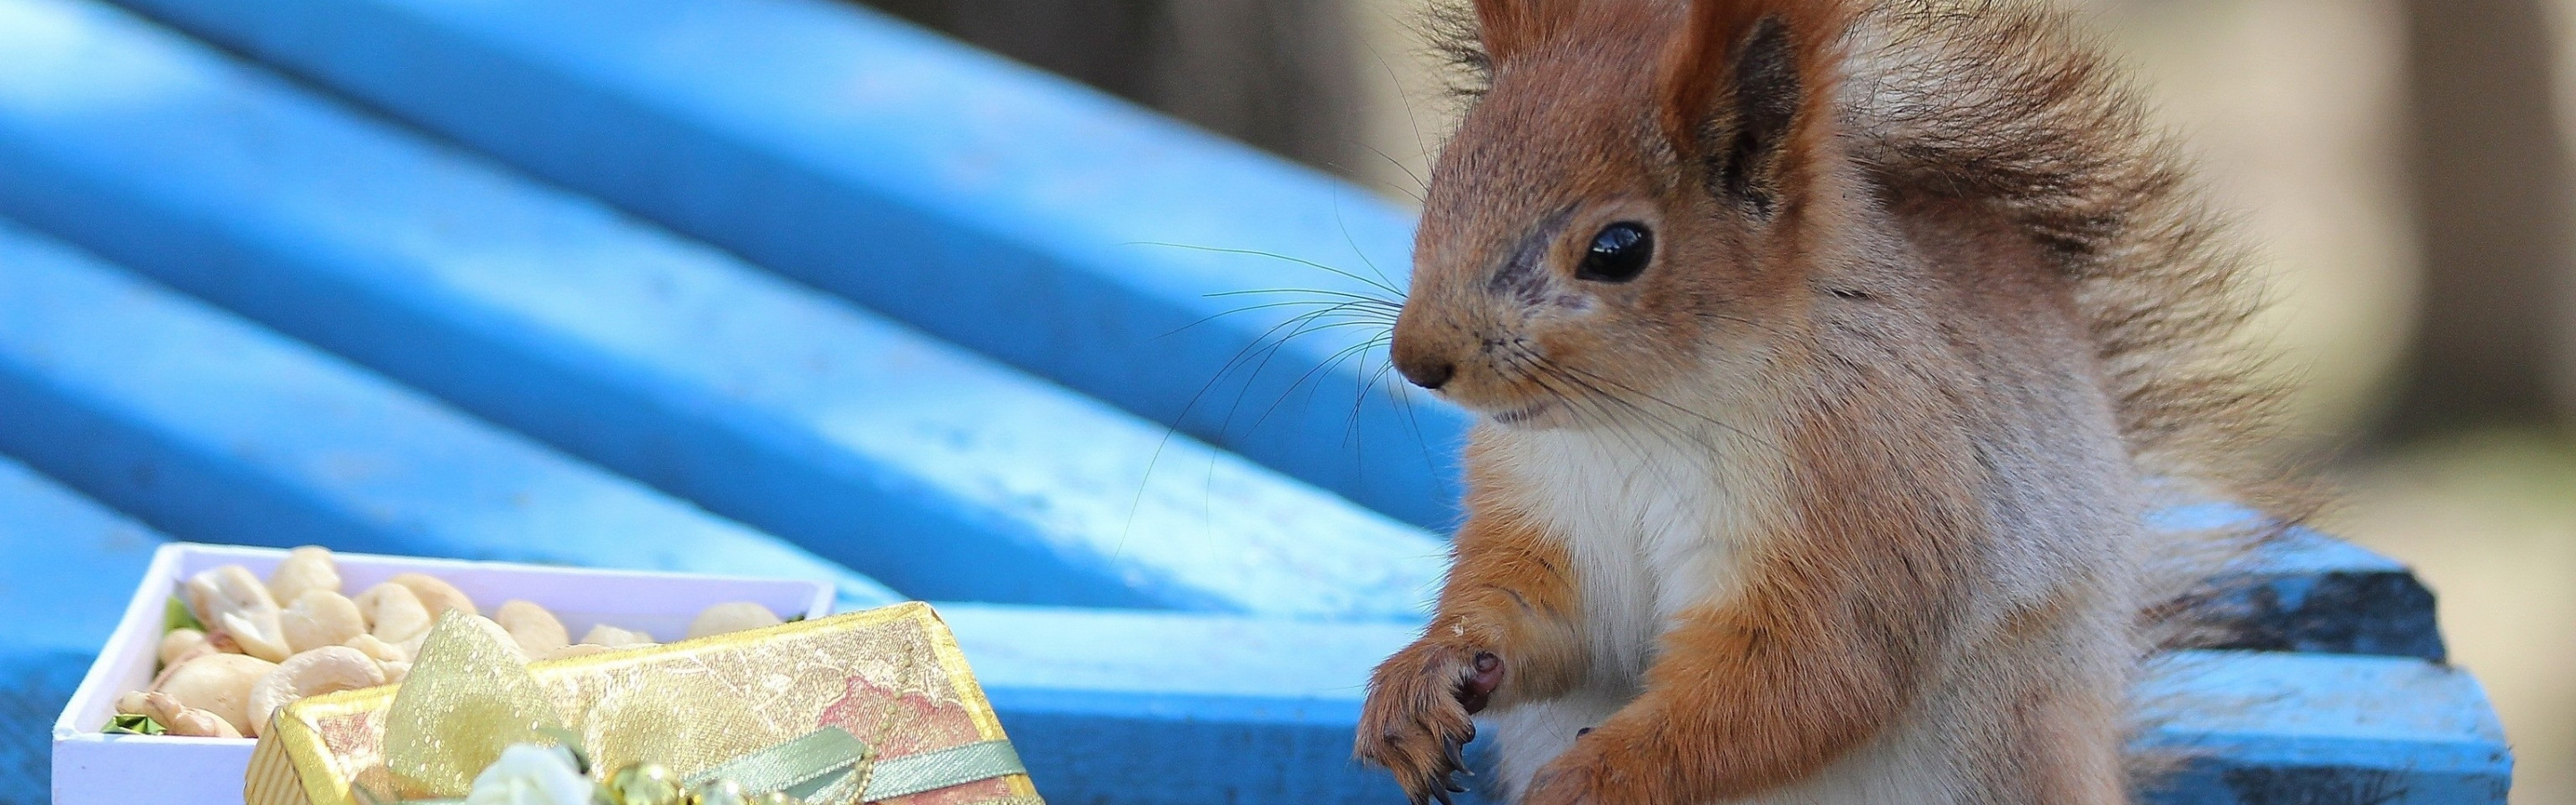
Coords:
pixel 802 766
pixel 956 765
pixel 825 759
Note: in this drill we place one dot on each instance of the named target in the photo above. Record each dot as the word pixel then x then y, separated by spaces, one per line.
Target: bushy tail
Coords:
pixel 2002 103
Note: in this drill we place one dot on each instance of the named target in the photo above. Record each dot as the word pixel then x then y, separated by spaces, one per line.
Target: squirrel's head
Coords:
pixel 1633 192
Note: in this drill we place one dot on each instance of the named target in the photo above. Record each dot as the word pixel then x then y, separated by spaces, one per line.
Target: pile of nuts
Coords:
pixel 256 654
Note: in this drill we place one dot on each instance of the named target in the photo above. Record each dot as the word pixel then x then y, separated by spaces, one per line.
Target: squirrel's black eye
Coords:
pixel 1619 253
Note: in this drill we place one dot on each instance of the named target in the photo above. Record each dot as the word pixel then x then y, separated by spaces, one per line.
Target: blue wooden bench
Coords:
pixel 237 308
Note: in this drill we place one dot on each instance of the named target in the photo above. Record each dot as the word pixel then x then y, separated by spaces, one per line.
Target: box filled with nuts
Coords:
pixel 216 635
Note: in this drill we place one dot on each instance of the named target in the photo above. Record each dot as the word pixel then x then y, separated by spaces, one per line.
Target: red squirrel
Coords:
pixel 1826 355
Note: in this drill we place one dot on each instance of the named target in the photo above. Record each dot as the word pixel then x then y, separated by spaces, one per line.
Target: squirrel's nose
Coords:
pixel 1429 374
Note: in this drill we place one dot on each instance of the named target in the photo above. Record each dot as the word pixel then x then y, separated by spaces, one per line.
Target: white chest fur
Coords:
pixel 1656 522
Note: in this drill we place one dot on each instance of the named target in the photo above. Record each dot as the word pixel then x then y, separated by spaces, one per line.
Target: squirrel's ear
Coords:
pixel 1508 27
pixel 1748 89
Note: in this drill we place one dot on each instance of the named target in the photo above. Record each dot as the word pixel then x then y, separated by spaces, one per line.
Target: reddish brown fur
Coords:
pixel 1507 29
pixel 1824 647
pixel 1509 592
pixel 1923 330
pixel 1695 67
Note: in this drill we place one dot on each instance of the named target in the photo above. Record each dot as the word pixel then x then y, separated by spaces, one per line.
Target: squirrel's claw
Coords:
pixel 1420 715
pixel 1440 778
pixel 1452 764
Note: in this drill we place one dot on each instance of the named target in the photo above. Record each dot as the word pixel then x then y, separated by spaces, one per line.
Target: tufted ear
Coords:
pixel 1748 90
pixel 1509 27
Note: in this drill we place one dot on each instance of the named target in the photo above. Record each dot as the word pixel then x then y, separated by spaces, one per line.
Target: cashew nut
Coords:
pixel 731 617
pixel 395 659
pixel 490 629
pixel 233 601
pixel 182 645
pixel 377 648
pixel 322 670
pixel 217 683
pixel 175 717
pixel 435 594
pixel 394 612
pixel 305 569
pixel 613 637
pixel 321 618
pixel 537 631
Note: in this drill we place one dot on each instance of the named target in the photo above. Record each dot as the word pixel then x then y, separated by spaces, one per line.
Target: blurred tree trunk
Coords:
pixel 2492 202
pixel 1278 74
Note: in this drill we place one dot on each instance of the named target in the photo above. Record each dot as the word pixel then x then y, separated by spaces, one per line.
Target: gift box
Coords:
pixel 889 685
pixel 94 768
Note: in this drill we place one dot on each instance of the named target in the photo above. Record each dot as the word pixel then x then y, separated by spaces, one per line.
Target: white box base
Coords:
pixel 92 768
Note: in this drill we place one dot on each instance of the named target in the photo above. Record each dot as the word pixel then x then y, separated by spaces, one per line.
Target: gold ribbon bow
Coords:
pixel 468 698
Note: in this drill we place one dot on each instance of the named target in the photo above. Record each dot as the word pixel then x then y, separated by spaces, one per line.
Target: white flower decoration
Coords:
pixel 528 774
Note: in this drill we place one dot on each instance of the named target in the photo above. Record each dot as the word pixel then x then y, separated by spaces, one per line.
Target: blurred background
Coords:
pixel 2402 164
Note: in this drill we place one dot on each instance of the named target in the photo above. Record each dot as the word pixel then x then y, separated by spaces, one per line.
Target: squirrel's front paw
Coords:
pixel 1417 719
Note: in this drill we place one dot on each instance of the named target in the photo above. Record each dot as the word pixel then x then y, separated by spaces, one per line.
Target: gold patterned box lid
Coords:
pixel 894 677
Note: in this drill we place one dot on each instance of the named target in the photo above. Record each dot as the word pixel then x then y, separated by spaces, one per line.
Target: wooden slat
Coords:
pixel 67 557
pixel 34 684
pixel 2281 729
pixel 2312 593
pixel 918 463
pixel 832 143
pixel 1176 708
pixel 212 429
pixel 67 566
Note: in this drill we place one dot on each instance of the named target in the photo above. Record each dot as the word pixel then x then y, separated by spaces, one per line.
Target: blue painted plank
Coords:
pixel 65 556
pixel 34 685
pixel 2261 728
pixel 2313 593
pixel 829 142
pixel 921 464
pixel 67 567
pixel 1141 708
pixel 215 430
pixel 1150 708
